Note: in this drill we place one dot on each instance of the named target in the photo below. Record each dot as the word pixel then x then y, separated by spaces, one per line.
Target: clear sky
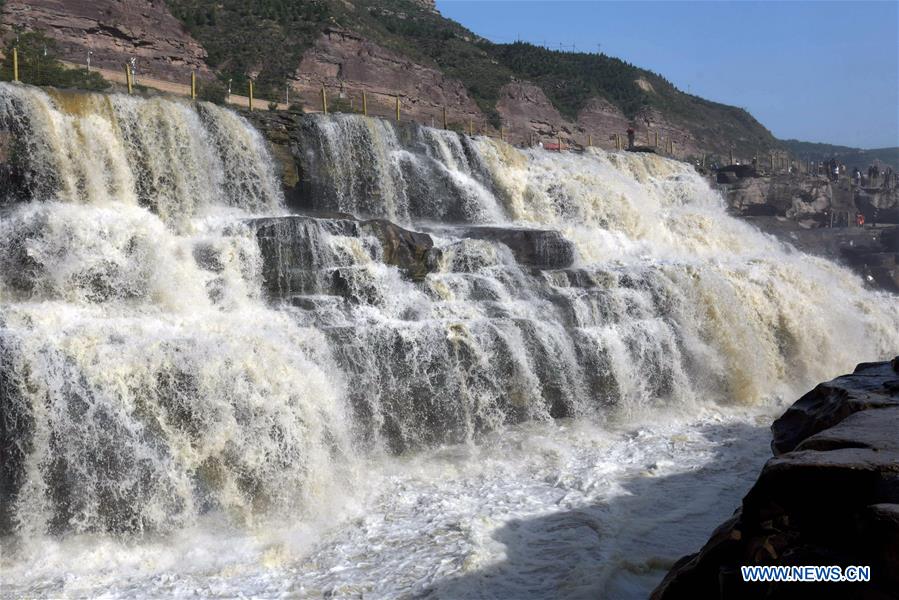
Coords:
pixel 823 71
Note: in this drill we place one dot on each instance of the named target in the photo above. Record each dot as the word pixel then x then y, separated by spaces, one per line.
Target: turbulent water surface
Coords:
pixel 203 395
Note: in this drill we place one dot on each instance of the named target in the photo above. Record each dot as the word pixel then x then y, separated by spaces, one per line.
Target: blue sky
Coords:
pixel 823 71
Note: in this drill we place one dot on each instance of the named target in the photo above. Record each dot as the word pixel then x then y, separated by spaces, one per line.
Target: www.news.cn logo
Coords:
pixel 806 573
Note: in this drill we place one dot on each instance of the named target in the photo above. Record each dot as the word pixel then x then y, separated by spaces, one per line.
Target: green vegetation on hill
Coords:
pixel 38 65
pixel 262 38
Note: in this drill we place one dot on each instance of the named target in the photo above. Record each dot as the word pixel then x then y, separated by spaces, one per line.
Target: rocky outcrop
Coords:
pixel 299 260
pixel 115 31
pixel 539 248
pixel 527 114
pixel 829 497
pixel 411 251
pixel 347 64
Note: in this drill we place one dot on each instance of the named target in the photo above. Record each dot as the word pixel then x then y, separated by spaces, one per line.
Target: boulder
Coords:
pixel 830 496
pixel 540 248
pixel 411 251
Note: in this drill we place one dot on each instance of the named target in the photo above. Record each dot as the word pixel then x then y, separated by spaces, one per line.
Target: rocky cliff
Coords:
pixel 830 496
pixel 115 31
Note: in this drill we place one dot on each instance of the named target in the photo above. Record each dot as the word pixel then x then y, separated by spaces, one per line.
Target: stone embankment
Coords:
pixel 830 496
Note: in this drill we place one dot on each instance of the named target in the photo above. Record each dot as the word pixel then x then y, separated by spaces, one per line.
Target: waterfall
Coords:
pixel 173 344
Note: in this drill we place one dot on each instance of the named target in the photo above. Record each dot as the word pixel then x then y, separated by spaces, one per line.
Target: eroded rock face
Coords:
pixel 540 248
pixel 829 497
pixel 299 257
pixel 346 63
pixel 115 31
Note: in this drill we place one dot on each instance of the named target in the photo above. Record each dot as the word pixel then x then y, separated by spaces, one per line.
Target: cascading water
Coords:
pixel 353 407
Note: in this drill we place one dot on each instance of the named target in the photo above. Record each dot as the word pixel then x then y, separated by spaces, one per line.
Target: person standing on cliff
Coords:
pixel 630 138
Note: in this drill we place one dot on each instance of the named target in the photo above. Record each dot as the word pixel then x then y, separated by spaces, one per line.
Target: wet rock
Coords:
pixel 540 248
pixel 829 497
pixel 297 258
pixel 411 251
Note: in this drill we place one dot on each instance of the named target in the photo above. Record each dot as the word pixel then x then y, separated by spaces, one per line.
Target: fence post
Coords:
pixel 193 85
pixel 502 134
pixel 657 139
pixel 589 140
pixel 128 77
pixel 15 63
pixel 731 156
pixel 444 117
pixel 397 109
pixel 324 101
pixel 364 104
pixel 251 95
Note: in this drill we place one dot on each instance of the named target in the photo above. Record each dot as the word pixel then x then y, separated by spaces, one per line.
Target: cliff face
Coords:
pixel 115 31
pixel 348 63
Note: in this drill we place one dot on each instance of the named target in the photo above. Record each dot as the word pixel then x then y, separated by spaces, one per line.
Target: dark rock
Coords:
pixel 831 497
pixel 740 171
pixel 726 177
pixel 541 248
pixel 411 251
pixel 298 260
pixel 831 402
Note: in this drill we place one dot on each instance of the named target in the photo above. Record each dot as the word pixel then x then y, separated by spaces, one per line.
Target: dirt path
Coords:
pixel 170 87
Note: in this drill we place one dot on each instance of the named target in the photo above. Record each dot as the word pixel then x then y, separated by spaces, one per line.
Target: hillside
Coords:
pixel 851 157
pixel 391 48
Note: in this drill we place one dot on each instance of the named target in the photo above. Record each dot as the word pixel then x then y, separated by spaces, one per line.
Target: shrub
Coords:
pixel 38 65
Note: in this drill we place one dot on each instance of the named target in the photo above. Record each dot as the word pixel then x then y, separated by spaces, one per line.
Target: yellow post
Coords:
pixel 617 141
pixel 397 109
pixel 364 104
pixel 731 156
pixel 502 134
pixel 324 101
pixel 444 117
pixel 15 64
pixel 193 85
pixel 589 140
pixel 251 94
pixel 657 139
pixel 128 78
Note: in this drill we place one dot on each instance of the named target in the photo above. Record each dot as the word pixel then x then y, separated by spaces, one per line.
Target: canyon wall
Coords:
pixel 115 32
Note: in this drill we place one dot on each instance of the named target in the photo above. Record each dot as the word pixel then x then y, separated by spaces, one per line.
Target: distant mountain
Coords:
pixel 851 157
